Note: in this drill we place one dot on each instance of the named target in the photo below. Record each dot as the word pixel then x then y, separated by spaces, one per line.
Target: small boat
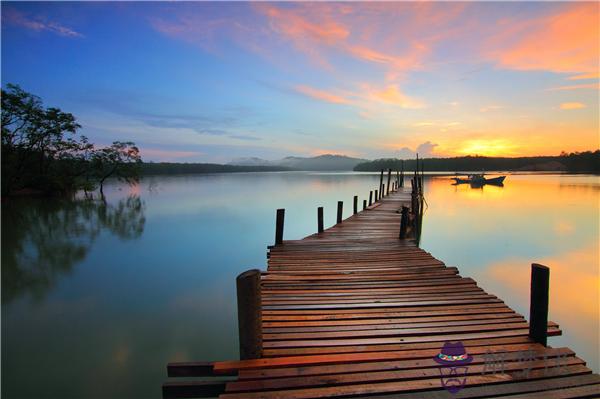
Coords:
pixel 480 180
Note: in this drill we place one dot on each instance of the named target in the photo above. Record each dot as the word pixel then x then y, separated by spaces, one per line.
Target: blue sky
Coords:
pixel 216 81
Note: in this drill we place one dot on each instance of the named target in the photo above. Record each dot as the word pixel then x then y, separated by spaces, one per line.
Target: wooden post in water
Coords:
pixel 320 219
pixel 376 195
pixel 403 223
pixel 382 191
pixel 538 307
pixel 364 204
pixel 380 186
pixel 388 182
pixel 370 198
pixel 249 314
pixel 355 208
pixel 417 165
pixel 279 226
pixel 339 211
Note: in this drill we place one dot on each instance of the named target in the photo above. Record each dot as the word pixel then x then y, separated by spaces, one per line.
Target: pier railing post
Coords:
pixel 355 204
pixel 320 219
pixel 364 204
pixel 339 211
pixel 403 223
pixel 382 191
pixel 249 314
pixel 279 226
pixel 370 198
pixel 376 195
pixel 538 307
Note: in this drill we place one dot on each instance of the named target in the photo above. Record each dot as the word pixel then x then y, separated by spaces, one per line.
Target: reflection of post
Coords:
pixel 249 314
pixel 320 219
pixel 402 174
pixel 388 182
pixel 339 211
pixel 279 226
pixel 538 307
pixel 419 224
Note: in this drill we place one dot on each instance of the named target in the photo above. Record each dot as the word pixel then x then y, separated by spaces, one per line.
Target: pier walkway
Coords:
pixel 355 311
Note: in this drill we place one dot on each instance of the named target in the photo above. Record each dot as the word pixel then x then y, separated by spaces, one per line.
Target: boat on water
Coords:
pixel 479 180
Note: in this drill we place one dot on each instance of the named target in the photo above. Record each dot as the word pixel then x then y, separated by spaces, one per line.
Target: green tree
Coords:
pixel 33 139
pixel 120 160
pixel 41 150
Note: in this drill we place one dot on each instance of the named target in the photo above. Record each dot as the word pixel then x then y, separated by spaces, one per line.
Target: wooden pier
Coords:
pixel 357 311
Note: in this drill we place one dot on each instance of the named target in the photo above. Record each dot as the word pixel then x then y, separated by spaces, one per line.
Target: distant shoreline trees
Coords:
pixel 588 161
pixel 42 153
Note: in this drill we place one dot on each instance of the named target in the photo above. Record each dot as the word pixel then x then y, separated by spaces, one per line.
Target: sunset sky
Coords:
pixel 209 82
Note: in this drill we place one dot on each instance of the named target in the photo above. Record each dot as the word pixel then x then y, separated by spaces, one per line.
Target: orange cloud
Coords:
pixel 576 87
pixel 572 106
pixel 563 42
pixel 321 95
pixel 392 95
pixel 593 75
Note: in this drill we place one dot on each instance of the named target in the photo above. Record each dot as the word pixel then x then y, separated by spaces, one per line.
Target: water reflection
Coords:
pixel 43 239
pixel 493 234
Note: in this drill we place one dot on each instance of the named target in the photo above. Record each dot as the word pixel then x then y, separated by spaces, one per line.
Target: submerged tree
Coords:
pixel 42 151
pixel 120 160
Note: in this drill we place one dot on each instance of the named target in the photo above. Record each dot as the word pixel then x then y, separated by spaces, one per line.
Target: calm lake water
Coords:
pixel 97 298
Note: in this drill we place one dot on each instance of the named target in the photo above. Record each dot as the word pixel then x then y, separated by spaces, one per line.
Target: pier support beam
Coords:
pixel 249 314
pixel 339 211
pixel 320 219
pixel 355 204
pixel 364 204
pixel 370 198
pixel 279 226
pixel 538 306
pixel 376 195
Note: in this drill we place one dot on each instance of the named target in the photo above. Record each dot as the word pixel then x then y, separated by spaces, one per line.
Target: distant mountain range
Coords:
pixel 326 162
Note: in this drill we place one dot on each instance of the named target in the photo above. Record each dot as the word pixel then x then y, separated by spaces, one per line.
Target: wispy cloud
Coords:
pixel 565 41
pixel 585 76
pixel 488 108
pixel 37 23
pixel 573 105
pixel 576 87
pixel 391 94
pixel 167 155
pixel 321 95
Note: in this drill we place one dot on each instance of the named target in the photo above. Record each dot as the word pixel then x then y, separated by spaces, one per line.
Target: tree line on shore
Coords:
pixel 43 154
pixel 588 161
